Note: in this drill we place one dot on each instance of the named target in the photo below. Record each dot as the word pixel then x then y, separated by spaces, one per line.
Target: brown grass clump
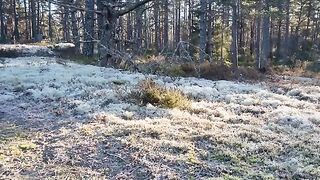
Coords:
pixel 150 92
pixel 215 71
pixel 299 71
pixel 250 73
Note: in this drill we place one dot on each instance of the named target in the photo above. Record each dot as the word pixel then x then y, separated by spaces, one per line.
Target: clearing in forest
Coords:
pixel 65 120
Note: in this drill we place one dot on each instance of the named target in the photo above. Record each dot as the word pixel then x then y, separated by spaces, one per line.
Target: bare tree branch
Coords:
pixel 132 7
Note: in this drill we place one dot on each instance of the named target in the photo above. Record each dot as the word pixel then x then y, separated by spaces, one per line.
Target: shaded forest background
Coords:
pixel 251 33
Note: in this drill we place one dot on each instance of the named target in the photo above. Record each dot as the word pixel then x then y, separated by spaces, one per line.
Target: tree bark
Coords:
pixel 88 47
pixel 26 14
pixel 138 29
pixel 3 35
pixel 33 21
pixel 203 30
pixel 234 44
pixel 16 22
pixel 156 27
pixel 75 33
pixel 264 65
pixel 287 30
pixel 50 21
pixel 166 25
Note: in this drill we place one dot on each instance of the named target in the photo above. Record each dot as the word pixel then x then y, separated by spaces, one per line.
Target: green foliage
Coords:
pixel 150 92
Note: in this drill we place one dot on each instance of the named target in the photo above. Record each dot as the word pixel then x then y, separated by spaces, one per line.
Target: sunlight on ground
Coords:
pixel 75 121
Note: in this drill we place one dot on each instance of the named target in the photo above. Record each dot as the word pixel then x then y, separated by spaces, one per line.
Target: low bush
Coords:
pixel 151 93
pixel 250 73
pixel 215 71
pixel 314 67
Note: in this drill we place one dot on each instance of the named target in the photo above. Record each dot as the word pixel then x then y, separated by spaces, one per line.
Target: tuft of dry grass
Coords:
pixel 151 93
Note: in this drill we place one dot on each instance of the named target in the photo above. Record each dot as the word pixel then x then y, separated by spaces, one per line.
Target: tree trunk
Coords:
pixel 16 22
pixel 178 23
pixel 157 27
pixel 66 30
pixel 129 27
pixel 33 21
pixel 252 36
pixel 88 47
pixel 138 30
pixel 279 38
pixel 287 31
pixel 75 29
pixel 3 27
pixel 26 14
pixel 38 21
pixel 50 21
pixel 234 44
pixel 166 25
pixel 211 23
pixel 264 65
pixel 258 36
pixel 203 30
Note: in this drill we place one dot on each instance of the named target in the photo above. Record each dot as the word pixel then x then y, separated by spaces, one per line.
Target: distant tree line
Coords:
pixel 243 32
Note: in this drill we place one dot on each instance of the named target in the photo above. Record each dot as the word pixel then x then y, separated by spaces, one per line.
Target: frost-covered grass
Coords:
pixel 65 120
pixel 17 50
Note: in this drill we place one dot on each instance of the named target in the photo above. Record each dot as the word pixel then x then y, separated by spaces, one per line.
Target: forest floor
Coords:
pixel 61 120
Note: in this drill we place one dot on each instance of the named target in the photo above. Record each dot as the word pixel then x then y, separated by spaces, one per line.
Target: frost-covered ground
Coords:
pixel 64 120
pixel 18 50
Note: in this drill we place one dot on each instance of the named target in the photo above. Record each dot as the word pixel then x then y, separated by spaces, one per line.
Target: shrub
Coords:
pixel 188 68
pixel 173 70
pixel 150 92
pixel 314 66
pixel 215 71
pixel 250 73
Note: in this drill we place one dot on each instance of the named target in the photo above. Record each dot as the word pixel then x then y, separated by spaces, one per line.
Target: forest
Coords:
pixel 257 33
pixel 160 89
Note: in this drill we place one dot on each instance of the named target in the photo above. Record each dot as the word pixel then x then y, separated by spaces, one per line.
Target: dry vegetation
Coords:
pixel 150 93
pixel 83 122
